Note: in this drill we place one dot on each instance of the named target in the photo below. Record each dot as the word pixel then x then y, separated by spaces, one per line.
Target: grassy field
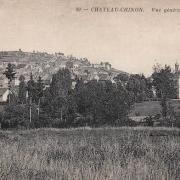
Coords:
pixel 90 154
pixel 152 108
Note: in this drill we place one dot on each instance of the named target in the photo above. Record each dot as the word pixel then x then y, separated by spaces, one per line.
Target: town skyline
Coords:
pixel 132 42
pixel 98 61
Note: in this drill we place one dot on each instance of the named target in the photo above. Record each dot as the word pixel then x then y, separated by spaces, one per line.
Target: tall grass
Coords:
pixel 90 154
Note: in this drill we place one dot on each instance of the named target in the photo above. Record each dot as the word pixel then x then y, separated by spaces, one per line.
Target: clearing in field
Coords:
pixel 98 154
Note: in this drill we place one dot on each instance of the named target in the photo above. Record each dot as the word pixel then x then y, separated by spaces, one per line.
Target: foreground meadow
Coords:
pixel 90 154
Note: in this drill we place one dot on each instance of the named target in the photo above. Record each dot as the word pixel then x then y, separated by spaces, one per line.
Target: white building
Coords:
pixel 4 92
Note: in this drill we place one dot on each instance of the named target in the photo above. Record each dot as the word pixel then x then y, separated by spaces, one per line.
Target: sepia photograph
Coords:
pixel 89 90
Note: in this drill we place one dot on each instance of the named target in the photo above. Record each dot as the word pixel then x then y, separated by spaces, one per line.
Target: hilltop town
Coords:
pixel 45 65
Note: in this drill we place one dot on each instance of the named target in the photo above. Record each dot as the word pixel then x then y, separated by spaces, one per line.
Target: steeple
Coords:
pixel 176 67
pixel 177 79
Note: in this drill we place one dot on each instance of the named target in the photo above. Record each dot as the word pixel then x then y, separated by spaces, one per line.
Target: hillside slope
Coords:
pixel 44 65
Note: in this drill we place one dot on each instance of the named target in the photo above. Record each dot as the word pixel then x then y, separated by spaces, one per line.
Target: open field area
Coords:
pixel 152 108
pixel 90 154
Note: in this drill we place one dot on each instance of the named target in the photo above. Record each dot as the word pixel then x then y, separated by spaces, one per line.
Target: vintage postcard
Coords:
pixel 89 90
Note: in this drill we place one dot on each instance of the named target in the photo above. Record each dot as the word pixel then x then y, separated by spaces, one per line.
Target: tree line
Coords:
pixel 94 103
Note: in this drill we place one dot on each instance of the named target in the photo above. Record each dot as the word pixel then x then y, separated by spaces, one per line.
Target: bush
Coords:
pixel 125 122
pixel 149 121
pixel 18 115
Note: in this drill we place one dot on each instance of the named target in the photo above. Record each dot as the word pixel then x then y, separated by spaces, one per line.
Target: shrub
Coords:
pixel 19 115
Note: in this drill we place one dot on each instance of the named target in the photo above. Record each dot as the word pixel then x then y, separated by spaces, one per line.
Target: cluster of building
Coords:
pixel 45 65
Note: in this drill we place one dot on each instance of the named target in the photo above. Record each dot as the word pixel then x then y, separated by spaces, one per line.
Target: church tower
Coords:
pixel 177 79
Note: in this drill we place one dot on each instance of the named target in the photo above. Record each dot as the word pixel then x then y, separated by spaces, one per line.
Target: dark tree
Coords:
pixel 22 90
pixel 10 72
pixel 61 83
pixel 60 89
pixel 10 75
pixel 39 91
pixel 31 87
pixel 39 88
pixel 163 82
pixel 102 102
pixel 137 85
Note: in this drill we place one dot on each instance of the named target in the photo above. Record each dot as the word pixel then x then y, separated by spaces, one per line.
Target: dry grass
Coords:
pixel 90 154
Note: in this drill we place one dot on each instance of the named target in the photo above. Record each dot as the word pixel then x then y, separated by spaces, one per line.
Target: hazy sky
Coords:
pixel 132 42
